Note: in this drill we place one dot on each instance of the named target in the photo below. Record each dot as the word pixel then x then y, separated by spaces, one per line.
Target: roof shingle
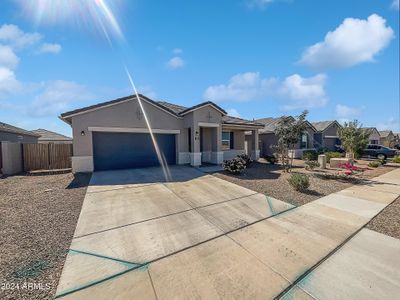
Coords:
pixel 13 129
pixel 47 135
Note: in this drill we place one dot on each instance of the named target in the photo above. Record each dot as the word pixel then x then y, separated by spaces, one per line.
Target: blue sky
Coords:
pixel 256 58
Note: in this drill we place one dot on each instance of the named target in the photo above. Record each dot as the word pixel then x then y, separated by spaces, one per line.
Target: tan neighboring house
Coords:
pixel 327 135
pixel 10 133
pixel 387 138
pixel 268 137
pixel 374 136
pixel 47 136
pixel 120 134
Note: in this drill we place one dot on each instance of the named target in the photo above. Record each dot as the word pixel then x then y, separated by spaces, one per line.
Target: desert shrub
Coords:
pixel 234 166
pixel 383 162
pixel 396 159
pixel 300 182
pixel 247 160
pixel 271 159
pixel 374 164
pixel 310 155
pixel 311 164
pixel 330 155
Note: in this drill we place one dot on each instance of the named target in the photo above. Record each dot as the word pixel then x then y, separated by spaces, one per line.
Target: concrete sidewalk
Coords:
pixel 211 239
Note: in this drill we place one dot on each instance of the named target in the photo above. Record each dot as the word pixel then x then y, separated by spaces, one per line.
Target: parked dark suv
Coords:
pixel 379 151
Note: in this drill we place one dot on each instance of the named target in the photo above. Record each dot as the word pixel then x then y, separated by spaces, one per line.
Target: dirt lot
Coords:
pixel 38 219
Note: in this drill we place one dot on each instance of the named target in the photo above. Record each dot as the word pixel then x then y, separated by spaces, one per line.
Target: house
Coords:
pixel 135 132
pixel 327 135
pixel 47 136
pixel 268 137
pixel 9 133
pixel 374 135
pixel 387 139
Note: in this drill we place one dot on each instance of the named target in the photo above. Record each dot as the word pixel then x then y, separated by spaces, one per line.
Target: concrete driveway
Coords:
pixel 132 218
pixel 198 236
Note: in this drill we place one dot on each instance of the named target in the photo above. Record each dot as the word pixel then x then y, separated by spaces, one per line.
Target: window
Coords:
pixel 226 140
pixel 304 141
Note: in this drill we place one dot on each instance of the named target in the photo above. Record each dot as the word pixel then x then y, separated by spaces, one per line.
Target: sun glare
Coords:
pixel 91 15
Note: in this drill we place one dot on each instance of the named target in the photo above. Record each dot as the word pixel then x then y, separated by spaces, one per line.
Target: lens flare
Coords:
pixel 85 14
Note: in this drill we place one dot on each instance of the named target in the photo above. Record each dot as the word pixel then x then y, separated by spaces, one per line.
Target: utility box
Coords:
pixel 322 161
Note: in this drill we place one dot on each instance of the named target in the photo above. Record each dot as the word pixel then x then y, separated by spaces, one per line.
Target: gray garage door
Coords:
pixel 113 151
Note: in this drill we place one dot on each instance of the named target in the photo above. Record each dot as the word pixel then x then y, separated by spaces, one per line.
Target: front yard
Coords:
pixel 38 219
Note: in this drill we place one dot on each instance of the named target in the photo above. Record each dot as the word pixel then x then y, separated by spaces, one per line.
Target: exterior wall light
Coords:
pixel 83 133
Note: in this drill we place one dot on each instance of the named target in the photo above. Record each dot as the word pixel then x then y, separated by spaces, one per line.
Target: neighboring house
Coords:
pixel 374 135
pixel 388 138
pixel 327 135
pixel 268 137
pixel 116 134
pixel 47 136
pixel 9 133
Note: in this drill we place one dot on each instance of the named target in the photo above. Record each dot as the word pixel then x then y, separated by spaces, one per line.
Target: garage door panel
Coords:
pixel 130 150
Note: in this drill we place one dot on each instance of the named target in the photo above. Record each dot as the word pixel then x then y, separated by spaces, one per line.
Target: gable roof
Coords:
pixel 385 133
pixel 47 135
pixel 322 125
pixel 270 124
pixel 181 110
pixel 176 110
pixel 4 127
pixel 370 130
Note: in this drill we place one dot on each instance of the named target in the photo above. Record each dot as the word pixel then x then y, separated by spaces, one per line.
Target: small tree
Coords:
pixel 353 138
pixel 289 131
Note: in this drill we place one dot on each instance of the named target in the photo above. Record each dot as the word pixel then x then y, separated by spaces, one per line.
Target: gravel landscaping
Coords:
pixel 388 221
pixel 38 219
pixel 269 179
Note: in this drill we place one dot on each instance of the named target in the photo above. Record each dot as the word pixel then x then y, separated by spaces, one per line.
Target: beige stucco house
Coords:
pixel 373 135
pixel 120 134
pixel 387 138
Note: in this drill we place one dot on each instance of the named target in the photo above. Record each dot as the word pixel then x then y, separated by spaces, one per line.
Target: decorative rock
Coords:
pixel 335 162
pixel 322 161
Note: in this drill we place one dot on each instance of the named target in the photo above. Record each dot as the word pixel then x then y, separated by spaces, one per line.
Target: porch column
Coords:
pixel 195 155
pixel 255 153
pixel 217 156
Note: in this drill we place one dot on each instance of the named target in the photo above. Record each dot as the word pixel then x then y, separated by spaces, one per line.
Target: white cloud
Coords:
pixel 8 82
pixel 295 92
pixel 8 58
pixel 12 35
pixel 233 112
pixel 57 96
pixel 395 4
pixel 355 41
pixel 177 51
pixel 241 87
pixel 175 63
pixel 391 124
pixel 347 112
pixel 49 48
pixel 303 93
pixel 258 3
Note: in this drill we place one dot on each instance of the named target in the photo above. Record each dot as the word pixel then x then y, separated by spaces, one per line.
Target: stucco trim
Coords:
pixel 331 137
pixel 134 130
pixel 82 164
pixel 206 124
pixel 240 126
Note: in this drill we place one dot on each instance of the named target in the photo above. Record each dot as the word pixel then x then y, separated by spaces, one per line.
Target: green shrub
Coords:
pixel 374 164
pixel 383 162
pixel 271 159
pixel 300 182
pixel 396 159
pixel 234 166
pixel 310 155
pixel 311 164
pixel 247 160
pixel 330 155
